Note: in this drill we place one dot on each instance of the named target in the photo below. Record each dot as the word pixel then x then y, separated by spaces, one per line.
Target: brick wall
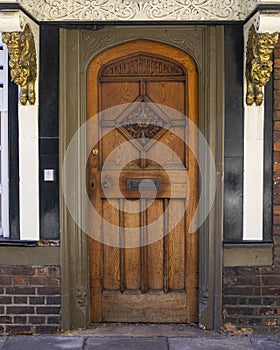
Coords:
pixel 252 294
pixel 29 299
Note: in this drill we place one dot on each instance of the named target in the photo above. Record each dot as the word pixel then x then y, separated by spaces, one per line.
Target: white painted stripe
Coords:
pixel 253 162
pixel 253 173
pixel 28 172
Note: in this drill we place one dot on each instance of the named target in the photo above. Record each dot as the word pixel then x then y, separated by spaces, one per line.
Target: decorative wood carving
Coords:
pixel 81 297
pixel 145 10
pixel 141 65
pixel 258 64
pixel 23 62
pixel 143 123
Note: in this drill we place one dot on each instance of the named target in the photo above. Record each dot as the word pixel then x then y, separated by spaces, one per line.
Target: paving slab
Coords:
pixel 109 343
pixel 2 342
pixel 225 343
pixel 44 343
pixel 265 342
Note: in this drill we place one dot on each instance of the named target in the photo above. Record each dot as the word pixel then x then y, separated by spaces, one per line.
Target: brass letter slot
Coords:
pixel 142 184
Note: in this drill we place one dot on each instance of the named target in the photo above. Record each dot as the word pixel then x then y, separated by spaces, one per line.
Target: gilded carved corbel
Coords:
pixel 23 64
pixel 258 64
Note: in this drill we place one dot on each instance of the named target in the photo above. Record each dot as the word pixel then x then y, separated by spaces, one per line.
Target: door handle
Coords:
pixel 94 151
pixel 105 184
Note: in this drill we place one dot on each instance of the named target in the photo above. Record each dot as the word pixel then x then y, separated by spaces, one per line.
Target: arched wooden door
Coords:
pixel 156 282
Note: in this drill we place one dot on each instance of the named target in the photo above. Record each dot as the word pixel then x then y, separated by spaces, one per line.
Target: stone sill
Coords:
pixel 39 256
pixel 248 254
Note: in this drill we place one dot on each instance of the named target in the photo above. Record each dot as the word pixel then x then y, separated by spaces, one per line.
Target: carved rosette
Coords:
pixel 23 62
pixel 143 123
pixel 259 65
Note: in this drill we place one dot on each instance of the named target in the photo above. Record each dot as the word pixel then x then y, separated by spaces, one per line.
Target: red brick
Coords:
pixel 277 63
pixel 276 220
pixel 50 290
pixel 17 330
pixel 48 310
pixel 53 320
pixel 22 271
pixel 4 300
pixel 276 210
pixel 276 199
pixel 276 136
pixel 277 84
pixel 36 319
pixel 271 280
pixel 277 52
pixel 38 281
pixel 53 271
pixel 277 146
pixel 20 300
pixel 53 281
pixel 6 319
pixel 276 168
pixel 20 310
pixel 20 319
pixel 47 329
pixel 40 300
pixel 20 290
pixel 276 239
pixel 276 74
pixel 268 271
pixel 54 300
pixel 21 280
pixel 5 280
pixel 276 93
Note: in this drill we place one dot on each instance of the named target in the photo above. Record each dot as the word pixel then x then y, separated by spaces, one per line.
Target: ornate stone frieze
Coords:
pixel 139 10
pixel 22 52
pixel 258 64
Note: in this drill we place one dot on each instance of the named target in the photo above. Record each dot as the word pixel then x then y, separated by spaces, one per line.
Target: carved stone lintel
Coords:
pixel 135 10
pixel 23 62
pixel 258 64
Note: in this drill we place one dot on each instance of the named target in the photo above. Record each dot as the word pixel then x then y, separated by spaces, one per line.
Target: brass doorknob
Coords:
pixel 94 151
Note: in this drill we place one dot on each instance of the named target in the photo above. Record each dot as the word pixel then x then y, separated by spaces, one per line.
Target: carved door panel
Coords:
pixel 146 147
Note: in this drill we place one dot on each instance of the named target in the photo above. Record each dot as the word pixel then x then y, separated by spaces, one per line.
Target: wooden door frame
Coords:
pixel 77 47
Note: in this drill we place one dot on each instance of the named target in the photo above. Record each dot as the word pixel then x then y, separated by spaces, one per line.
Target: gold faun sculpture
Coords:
pixel 23 63
pixel 258 64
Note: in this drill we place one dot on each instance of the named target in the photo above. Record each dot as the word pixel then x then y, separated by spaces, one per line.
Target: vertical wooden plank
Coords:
pixel 143 248
pixel 176 248
pixel 95 287
pixel 155 250
pixel 122 250
pixel 165 246
pixel 111 254
pixel 132 255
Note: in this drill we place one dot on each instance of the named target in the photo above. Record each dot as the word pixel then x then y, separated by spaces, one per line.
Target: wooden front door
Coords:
pixel 156 282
